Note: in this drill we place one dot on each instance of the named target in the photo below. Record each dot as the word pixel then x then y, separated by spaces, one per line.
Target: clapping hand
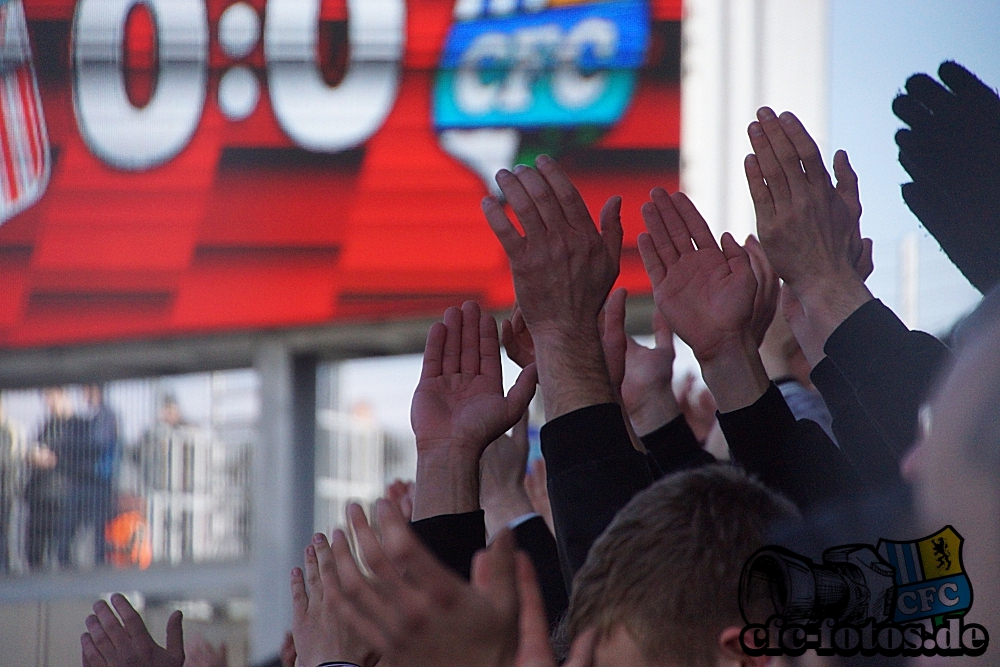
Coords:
pixel 808 227
pixel 459 408
pixel 706 293
pixel 563 270
pixel 109 642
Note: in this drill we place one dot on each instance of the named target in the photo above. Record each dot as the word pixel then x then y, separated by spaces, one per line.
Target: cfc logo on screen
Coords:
pixel 898 598
pixel 511 68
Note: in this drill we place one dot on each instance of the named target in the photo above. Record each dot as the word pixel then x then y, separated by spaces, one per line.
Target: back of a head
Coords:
pixel 668 567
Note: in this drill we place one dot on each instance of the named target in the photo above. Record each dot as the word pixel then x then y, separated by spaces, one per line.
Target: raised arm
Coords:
pixel 563 270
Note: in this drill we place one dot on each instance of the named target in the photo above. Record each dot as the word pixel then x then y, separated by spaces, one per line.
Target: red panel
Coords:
pixel 242 229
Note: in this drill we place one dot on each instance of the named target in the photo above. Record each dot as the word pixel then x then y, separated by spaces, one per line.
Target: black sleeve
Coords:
pixel 533 538
pixel 877 465
pixel 454 538
pixel 796 458
pixel 889 368
pixel 593 471
pixel 674 447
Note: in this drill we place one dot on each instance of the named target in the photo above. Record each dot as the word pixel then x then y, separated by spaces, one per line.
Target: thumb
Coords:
pixel 521 393
pixel 175 634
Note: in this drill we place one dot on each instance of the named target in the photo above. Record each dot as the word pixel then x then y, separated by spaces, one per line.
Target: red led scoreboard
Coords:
pixel 173 167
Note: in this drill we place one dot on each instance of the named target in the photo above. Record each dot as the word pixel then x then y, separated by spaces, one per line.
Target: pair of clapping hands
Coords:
pixel 718 298
pixel 409 609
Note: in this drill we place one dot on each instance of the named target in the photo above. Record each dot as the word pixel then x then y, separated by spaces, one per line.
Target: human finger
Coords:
pixel 111 625
pixel 353 585
pixel 672 221
pixel 502 227
pixel 521 203
pixel 434 351
pixel 314 582
pixel 469 353
pixel 770 165
pixel 451 361
pixel 573 207
pixel 91 655
pixel 520 395
pixel 489 349
pixel 611 228
pixel 542 197
pixel 533 648
pixel 657 233
pixel 102 641
pixel 806 148
pixel 327 565
pixel 134 625
pixel 300 599
pixel 784 149
pixel 655 269
pixel 847 183
pixel 175 635
pixel 371 550
pixel 697 227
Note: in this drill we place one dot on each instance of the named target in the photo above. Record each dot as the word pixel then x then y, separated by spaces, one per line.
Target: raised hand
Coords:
pixel 808 228
pixel 563 270
pixel 401 493
pixel 324 627
pixel 516 339
pixel 646 374
pixel 765 301
pixel 950 152
pixel 109 642
pixel 459 408
pixel 418 612
pixel 502 494
pixel 706 294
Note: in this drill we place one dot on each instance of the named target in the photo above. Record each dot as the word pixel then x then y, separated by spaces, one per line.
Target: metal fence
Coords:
pixel 127 474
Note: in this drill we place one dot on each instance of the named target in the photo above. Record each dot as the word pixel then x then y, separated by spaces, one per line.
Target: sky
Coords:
pixel 875 46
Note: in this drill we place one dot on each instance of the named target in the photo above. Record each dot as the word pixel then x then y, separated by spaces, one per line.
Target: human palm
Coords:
pixel 459 404
pixel 707 299
pixel 459 410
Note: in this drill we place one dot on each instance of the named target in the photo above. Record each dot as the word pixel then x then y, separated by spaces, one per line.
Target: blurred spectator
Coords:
pixel 50 493
pixel 98 492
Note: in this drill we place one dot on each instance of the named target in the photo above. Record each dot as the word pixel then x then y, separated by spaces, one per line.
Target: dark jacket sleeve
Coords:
pixel 889 368
pixel 533 538
pixel 877 465
pixel 454 538
pixel 674 447
pixel 796 458
pixel 593 471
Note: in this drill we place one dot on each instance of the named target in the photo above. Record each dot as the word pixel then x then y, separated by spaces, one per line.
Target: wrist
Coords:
pixel 827 303
pixel 735 375
pixel 500 508
pixel 447 482
pixel 657 408
pixel 572 371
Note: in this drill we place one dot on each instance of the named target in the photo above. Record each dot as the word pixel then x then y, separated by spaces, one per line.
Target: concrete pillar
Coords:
pixel 283 490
